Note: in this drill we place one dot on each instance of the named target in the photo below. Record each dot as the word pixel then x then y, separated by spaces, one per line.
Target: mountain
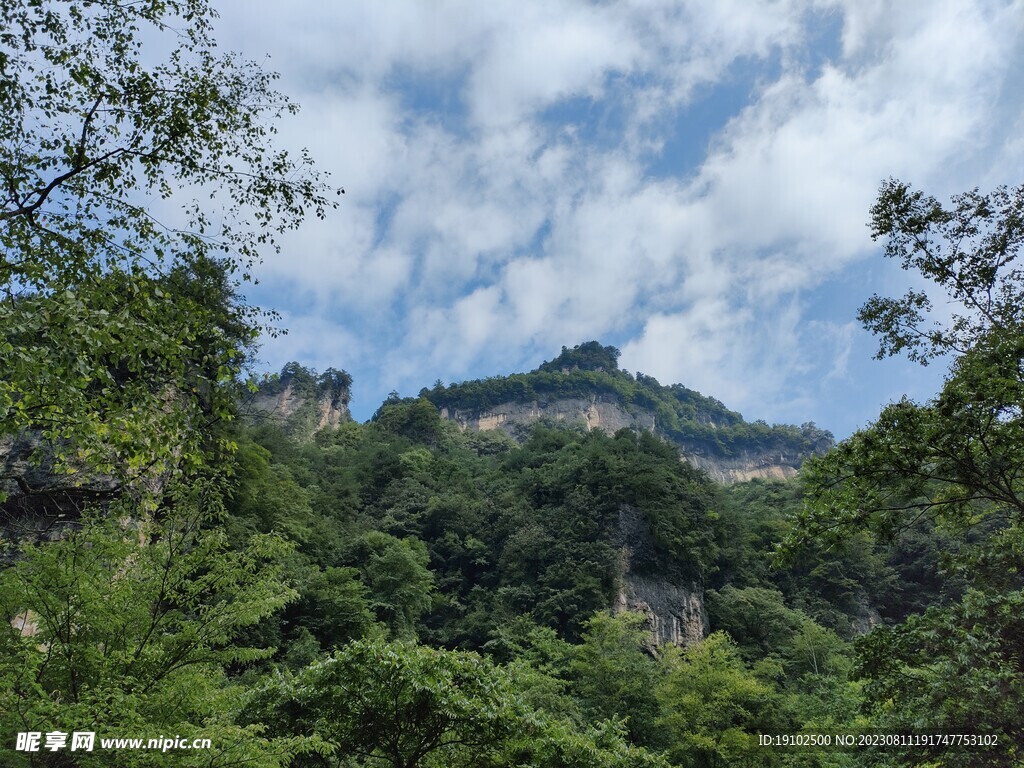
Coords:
pixel 584 386
pixel 301 399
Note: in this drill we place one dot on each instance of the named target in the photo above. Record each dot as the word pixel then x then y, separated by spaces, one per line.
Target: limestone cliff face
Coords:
pixel 675 612
pixel 675 615
pixel 328 408
pixel 605 412
pixel 36 501
pixel 300 400
pixel 868 619
pixel 595 412
pixel 747 466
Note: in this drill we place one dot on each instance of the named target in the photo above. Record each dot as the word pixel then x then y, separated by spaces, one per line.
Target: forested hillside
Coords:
pixel 584 384
pixel 236 567
pixel 503 581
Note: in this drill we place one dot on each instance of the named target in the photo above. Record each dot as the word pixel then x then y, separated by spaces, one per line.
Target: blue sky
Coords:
pixel 687 181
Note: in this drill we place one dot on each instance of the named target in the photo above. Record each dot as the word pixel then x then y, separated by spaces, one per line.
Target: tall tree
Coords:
pixel 396 705
pixel 615 676
pixel 960 457
pixel 714 706
pixel 956 460
pixel 123 178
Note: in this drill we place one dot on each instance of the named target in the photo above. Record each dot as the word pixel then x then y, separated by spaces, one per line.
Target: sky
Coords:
pixel 687 181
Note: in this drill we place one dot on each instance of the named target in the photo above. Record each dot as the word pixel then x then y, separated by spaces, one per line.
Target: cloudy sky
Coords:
pixel 688 181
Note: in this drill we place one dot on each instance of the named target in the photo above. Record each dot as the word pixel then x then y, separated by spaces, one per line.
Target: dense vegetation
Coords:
pixel 401 593
pixel 466 578
pixel 952 464
pixel 307 383
pixel 681 415
pixel 479 572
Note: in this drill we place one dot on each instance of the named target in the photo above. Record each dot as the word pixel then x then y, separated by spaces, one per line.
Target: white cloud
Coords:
pixel 544 51
pixel 790 179
pixel 314 341
pixel 474 230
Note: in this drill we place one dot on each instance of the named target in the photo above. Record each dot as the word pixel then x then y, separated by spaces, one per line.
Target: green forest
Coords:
pixel 406 593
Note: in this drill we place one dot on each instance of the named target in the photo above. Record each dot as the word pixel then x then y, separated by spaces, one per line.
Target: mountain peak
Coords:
pixel 584 386
pixel 588 356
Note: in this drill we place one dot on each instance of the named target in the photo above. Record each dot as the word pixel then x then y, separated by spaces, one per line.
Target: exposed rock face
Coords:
pixel 329 408
pixel 867 620
pixel 747 466
pixel 38 502
pixel 606 413
pixel 595 412
pixel 675 613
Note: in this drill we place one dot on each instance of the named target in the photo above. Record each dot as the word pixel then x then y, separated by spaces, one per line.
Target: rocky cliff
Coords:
pixel 582 386
pixel 327 409
pixel 675 612
pixel 608 413
pixel 585 386
pixel 675 615
pixel 36 501
pixel 301 400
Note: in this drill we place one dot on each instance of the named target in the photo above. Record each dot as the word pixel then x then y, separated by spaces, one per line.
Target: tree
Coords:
pixel 713 706
pixel 614 675
pixel 99 348
pixel 334 606
pixel 408 706
pixel 954 669
pixel 418 420
pixel 540 661
pixel 132 625
pixel 967 250
pixel 398 582
pixel 958 458
pixel 397 705
pixel 956 462
pixel 589 356
pixel 755 618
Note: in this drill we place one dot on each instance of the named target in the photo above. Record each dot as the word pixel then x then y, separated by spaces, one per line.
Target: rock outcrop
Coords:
pixel 595 412
pixel 36 502
pixel 675 615
pixel 675 612
pixel 327 409
pixel 747 466
pixel 605 412
pixel 300 400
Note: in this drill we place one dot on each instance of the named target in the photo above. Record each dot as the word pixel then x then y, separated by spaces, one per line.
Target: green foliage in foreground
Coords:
pixel 110 341
pixel 131 628
pixel 508 551
pixel 402 594
pixel 952 463
pixel 408 706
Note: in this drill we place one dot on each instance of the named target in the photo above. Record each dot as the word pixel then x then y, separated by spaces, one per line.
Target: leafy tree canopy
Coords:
pixel 957 458
pixel 405 706
pixel 589 356
pixel 954 462
pixel 133 625
pixel 99 338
